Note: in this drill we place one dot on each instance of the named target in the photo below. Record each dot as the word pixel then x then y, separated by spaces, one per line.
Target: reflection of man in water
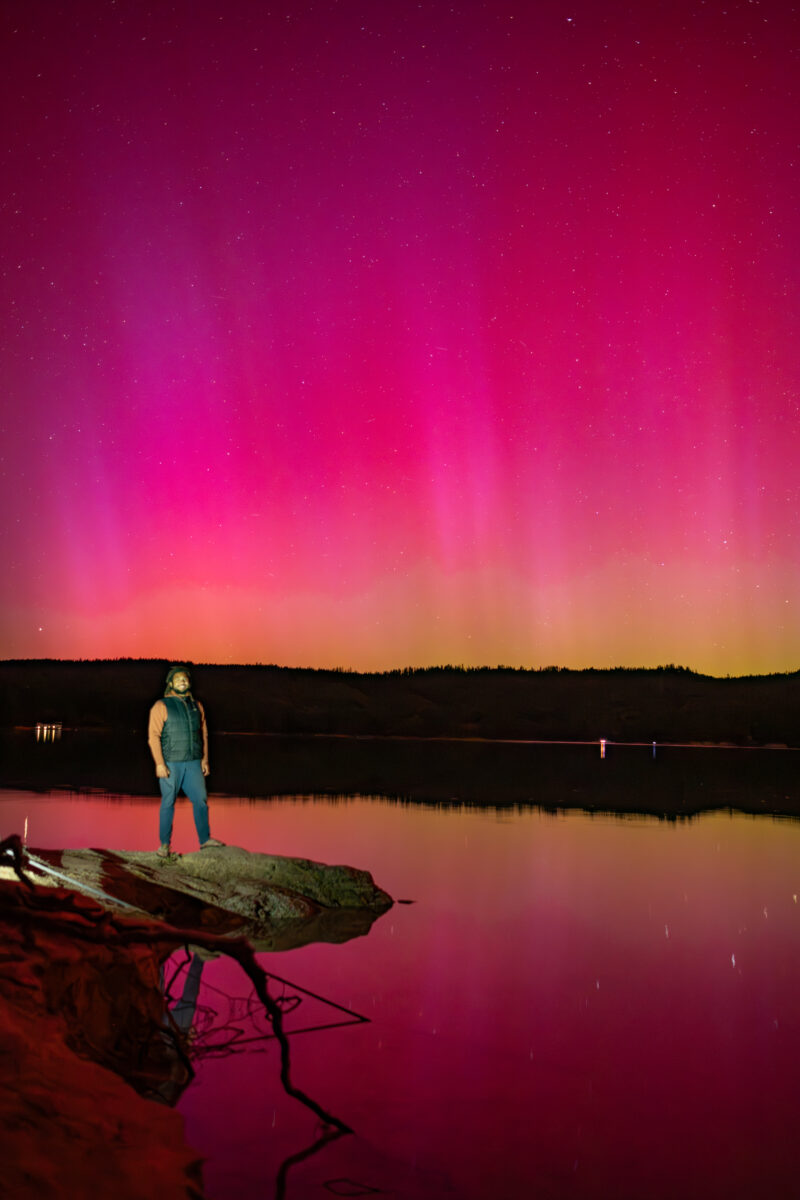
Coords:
pixel 176 1072
pixel 178 740
pixel 183 1011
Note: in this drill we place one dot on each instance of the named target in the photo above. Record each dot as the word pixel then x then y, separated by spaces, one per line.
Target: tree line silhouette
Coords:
pixel 664 704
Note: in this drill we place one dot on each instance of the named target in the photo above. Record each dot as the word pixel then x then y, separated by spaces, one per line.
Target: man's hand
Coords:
pixel 162 771
pixel 204 766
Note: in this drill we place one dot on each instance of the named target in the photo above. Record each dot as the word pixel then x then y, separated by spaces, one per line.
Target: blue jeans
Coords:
pixel 189 777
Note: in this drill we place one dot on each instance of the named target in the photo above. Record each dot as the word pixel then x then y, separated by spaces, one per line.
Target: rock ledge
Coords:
pixel 277 902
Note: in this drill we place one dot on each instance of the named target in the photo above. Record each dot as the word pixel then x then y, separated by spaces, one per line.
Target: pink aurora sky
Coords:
pixel 385 334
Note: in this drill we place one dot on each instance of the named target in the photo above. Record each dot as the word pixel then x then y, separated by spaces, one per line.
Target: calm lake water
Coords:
pixel 573 1006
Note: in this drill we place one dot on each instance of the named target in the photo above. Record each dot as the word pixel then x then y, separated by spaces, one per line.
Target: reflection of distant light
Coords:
pixel 733 960
pixel 602 747
pixel 48 733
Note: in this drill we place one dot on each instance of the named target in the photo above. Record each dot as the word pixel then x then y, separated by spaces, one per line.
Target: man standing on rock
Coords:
pixel 178 739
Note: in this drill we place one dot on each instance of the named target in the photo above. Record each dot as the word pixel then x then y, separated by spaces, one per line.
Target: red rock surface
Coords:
pixel 81 1029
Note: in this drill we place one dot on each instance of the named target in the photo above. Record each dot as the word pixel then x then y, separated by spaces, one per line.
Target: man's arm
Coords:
pixel 158 717
pixel 204 763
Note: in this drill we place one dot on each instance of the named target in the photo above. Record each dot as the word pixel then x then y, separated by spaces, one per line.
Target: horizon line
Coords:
pixel 549 669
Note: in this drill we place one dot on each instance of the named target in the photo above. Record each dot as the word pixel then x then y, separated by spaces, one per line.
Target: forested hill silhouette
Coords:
pixel 665 704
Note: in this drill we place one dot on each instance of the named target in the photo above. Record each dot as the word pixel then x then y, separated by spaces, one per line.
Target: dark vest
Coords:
pixel 182 736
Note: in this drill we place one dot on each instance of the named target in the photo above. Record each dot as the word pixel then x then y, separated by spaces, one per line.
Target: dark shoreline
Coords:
pixel 666 705
pixel 492 738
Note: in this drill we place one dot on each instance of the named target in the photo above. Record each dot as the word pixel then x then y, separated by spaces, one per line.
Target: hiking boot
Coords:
pixel 164 851
pixel 209 842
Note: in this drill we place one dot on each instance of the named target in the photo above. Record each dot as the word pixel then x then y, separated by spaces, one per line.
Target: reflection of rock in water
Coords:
pixel 82 1015
pixel 225 1023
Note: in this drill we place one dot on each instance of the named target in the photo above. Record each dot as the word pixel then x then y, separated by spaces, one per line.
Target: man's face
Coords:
pixel 180 683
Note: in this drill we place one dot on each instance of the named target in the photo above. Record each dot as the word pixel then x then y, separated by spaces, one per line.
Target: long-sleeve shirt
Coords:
pixel 158 717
